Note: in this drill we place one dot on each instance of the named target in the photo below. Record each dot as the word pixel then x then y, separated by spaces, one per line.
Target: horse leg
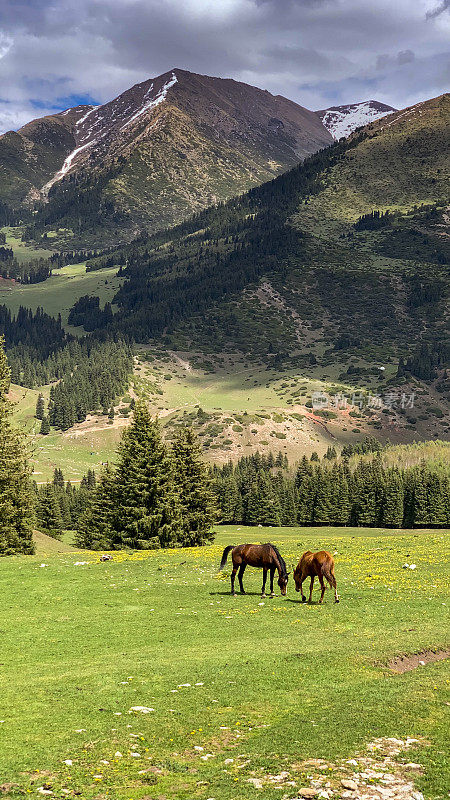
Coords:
pixel 240 576
pixel 263 590
pixel 322 586
pixel 311 588
pixel 233 575
pixel 332 581
pixel 301 589
pixel 272 575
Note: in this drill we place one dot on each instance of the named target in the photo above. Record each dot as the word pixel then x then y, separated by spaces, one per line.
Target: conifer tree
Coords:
pixel 40 407
pixel 148 510
pixel 16 497
pixel 194 484
pixel 393 500
pixel 94 528
pixel 49 513
pixel 45 427
pixel 138 506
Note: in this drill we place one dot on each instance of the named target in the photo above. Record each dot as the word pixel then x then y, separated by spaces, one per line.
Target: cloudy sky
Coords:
pixel 58 53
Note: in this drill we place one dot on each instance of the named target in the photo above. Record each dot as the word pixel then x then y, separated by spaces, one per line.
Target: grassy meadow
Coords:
pixel 242 691
pixel 58 293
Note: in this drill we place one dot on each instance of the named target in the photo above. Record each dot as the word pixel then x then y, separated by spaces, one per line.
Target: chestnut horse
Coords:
pixel 320 564
pixel 265 556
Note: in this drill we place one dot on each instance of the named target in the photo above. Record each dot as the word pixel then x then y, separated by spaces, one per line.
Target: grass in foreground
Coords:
pixel 266 683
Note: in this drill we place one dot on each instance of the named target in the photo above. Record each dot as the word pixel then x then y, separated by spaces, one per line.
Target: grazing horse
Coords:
pixel 320 564
pixel 265 556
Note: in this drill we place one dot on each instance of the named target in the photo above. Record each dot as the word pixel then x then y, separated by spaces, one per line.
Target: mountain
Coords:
pixel 163 149
pixel 331 278
pixel 324 216
pixel 343 120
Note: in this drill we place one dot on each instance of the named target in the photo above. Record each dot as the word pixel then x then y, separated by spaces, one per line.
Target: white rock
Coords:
pixel 141 709
pixel 197 747
pixel 229 761
pixel 41 789
pixel 118 754
pixel 349 784
pixel 69 762
pixel 135 755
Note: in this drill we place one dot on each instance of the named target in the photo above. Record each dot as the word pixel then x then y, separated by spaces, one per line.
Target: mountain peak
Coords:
pixel 343 120
pixel 166 147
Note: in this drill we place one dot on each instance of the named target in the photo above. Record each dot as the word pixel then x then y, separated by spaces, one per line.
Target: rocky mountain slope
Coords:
pixel 343 120
pixel 161 150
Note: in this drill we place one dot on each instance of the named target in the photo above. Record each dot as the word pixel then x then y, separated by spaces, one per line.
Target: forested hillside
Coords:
pixel 330 279
pixel 334 276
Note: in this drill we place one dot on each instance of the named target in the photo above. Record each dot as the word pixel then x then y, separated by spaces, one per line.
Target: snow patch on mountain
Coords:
pixel 152 102
pixel 65 167
pixel 343 120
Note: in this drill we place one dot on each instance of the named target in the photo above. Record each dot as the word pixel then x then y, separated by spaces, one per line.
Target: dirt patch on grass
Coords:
pixel 406 663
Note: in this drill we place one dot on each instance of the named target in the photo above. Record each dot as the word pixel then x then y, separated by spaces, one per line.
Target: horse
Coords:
pixel 265 556
pixel 320 564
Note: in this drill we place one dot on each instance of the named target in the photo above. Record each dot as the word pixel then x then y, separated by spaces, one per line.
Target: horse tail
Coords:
pixel 225 555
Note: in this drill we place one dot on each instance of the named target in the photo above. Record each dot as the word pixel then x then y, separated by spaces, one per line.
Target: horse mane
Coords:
pixel 280 559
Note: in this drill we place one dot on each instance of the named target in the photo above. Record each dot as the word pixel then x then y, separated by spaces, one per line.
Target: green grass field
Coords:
pixel 24 251
pixel 268 684
pixel 57 294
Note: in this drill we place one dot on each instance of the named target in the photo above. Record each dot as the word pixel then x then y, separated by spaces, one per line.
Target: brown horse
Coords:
pixel 265 556
pixel 320 564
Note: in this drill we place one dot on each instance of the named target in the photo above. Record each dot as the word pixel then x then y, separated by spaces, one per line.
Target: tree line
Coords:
pixel 258 490
pixel 88 374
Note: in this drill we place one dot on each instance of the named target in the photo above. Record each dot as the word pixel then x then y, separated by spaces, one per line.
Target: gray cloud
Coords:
pixel 444 6
pixel 317 52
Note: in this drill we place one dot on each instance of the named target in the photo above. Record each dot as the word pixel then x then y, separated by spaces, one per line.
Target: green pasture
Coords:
pixel 24 251
pixel 57 294
pixel 267 683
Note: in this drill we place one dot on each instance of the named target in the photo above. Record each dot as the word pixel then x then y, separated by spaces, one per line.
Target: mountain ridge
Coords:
pixel 164 148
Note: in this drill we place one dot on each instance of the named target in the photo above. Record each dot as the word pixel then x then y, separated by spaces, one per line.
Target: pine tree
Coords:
pixel 49 513
pixel 16 497
pixel 393 500
pixel 94 529
pixel 192 480
pixel 40 407
pixel 45 427
pixel 138 505
pixel 58 478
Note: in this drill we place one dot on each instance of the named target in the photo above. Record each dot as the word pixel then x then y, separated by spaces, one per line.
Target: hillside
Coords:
pixel 303 285
pixel 328 272
pixel 161 150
